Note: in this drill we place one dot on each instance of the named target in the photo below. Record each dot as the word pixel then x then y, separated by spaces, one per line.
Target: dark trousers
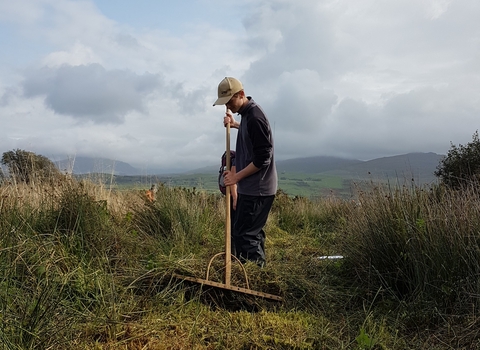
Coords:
pixel 248 236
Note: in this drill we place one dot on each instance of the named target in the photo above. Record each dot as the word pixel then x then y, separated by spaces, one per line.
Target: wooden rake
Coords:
pixel 228 255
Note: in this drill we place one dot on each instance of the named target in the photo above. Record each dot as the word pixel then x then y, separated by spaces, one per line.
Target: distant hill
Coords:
pixel 309 165
pixel 209 169
pixel 86 165
pixel 417 166
pixel 314 165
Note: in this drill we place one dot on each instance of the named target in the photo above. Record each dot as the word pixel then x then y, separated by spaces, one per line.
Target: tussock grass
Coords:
pixel 420 244
pixel 86 267
pixel 418 250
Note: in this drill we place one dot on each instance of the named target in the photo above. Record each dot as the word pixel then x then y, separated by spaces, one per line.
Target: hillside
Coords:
pixel 307 165
pixel 315 165
pixel 417 166
pixel 86 165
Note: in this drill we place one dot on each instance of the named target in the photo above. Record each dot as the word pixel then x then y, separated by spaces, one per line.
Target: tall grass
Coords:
pixel 184 220
pixel 57 241
pixel 420 245
pixel 85 267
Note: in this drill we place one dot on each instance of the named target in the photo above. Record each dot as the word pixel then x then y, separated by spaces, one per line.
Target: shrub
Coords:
pixel 26 166
pixel 461 165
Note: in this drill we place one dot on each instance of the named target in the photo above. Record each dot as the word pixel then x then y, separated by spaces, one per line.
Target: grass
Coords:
pixel 83 266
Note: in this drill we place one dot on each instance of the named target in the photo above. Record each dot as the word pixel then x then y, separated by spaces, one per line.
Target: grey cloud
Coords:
pixel 339 130
pixel 416 34
pixel 91 92
pixel 7 96
pixel 301 110
pixel 415 121
pixel 188 101
pixel 194 102
pixel 299 37
pixel 405 82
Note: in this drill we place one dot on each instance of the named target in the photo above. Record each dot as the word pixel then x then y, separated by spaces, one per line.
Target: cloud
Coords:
pixel 297 36
pixel 90 92
pixel 77 55
pixel 299 102
pixel 356 79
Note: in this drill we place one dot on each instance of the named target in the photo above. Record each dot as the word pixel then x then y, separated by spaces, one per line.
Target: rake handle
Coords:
pixel 228 223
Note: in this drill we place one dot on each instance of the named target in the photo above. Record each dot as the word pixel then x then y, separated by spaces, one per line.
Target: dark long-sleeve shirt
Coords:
pixel 255 144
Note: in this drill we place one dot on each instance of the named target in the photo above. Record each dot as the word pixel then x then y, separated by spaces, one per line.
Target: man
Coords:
pixel 254 172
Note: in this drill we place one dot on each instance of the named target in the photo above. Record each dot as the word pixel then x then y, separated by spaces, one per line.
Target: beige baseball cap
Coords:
pixel 226 89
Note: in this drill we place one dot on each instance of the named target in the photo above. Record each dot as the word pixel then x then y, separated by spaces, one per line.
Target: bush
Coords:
pixel 461 165
pixel 26 166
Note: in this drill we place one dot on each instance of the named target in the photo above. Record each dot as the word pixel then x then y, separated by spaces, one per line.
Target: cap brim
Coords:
pixel 222 100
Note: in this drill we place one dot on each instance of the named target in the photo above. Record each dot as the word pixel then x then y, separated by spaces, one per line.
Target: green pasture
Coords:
pixel 294 184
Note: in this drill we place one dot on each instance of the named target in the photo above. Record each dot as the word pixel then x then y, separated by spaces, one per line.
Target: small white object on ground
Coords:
pixel 330 257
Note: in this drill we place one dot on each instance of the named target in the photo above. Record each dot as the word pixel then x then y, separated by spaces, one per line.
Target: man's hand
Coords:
pixel 230 119
pixel 230 178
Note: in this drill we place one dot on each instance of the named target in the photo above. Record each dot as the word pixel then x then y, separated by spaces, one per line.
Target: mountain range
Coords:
pixel 417 166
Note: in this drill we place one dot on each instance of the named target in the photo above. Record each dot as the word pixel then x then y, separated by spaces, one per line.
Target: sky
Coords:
pixel 135 81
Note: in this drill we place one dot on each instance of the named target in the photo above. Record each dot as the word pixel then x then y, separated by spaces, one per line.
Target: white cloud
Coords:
pixel 77 55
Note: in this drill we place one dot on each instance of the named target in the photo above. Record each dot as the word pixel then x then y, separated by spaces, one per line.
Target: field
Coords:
pixel 294 184
pixel 85 265
pixel 313 185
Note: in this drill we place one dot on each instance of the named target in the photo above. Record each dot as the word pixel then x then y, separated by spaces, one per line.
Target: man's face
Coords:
pixel 235 102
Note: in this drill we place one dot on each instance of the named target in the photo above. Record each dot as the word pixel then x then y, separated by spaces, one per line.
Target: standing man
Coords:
pixel 254 172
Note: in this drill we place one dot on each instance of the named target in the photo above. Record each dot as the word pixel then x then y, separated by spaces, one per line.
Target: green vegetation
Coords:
pixel 25 166
pixel 84 266
pixel 312 185
pixel 461 166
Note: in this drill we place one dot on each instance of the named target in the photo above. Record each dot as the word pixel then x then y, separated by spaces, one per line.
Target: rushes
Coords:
pixel 419 244
pixel 83 267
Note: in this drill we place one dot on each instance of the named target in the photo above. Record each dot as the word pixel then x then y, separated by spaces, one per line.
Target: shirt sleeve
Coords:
pixel 260 135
